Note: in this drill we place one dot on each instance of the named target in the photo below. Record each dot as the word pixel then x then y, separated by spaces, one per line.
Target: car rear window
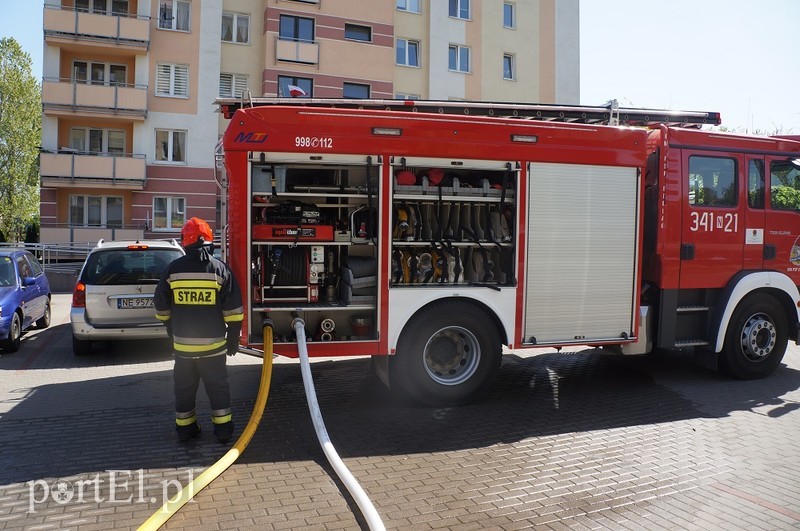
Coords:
pixel 126 266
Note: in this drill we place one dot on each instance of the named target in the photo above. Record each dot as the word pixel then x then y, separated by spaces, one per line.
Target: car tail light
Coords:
pixel 79 295
pixel 137 247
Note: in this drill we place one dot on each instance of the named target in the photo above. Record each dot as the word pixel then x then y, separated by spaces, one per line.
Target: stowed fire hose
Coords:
pixel 172 506
pixel 367 509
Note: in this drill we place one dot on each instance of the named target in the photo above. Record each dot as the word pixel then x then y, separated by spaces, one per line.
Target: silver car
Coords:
pixel 113 297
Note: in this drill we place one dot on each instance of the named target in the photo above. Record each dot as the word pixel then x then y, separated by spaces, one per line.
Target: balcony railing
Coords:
pixel 296 51
pixel 68 168
pixel 63 233
pixel 95 28
pixel 61 96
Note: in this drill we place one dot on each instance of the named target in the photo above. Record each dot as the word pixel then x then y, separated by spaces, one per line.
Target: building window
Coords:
pixel 91 140
pixel 95 211
pixel 98 73
pixel 458 58
pixel 286 82
pixel 459 9
pixel 170 145
pixel 236 28
pixel 508 66
pixel 407 53
pixel 172 80
pixel 355 90
pixel 174 15
pixel 169 213
pixel 509 16
pixel 296 28
pixel 232 85
pixel 102 7
pixel 412 6
pixel 355 32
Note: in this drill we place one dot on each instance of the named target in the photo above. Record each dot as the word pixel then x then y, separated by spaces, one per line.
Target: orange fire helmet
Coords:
pixel 196 231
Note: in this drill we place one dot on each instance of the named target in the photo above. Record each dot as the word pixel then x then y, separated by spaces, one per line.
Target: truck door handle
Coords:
pixel 687 251
pixel 770 251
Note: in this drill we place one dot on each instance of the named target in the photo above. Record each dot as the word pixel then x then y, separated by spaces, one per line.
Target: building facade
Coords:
pixel 129 126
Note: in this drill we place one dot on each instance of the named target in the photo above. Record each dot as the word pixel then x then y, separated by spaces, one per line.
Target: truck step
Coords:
pixel 691 343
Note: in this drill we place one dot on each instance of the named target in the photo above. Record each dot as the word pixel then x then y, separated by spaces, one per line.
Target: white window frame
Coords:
pixel 87 136
pixel 459 67
pixel 106 81
pixel 174 205
pixel 359 85
pixel 104 223
pixel 170 74
pixel 513 7
pixel 235 17
pixel 237 84
pixel 513 60
pixel 170 154
pixel 172 23
pixel 461 5
pixel 406 58
pixel 361 26
pixel 409 6
pixel 102 7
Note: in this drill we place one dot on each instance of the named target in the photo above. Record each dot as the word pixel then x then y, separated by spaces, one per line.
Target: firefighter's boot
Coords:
pixel 224 431
pixel 188 432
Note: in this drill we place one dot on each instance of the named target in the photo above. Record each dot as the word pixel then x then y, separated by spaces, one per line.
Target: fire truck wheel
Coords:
pixel 756 338
pixel 448 354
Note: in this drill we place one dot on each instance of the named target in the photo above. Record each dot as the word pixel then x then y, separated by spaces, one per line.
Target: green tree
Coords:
pixel 20 138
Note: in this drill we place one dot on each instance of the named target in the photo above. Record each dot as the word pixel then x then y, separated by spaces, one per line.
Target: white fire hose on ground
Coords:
pixel 367 508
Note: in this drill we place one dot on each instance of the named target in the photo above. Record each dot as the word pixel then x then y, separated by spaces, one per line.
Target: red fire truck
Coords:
pixel 430 234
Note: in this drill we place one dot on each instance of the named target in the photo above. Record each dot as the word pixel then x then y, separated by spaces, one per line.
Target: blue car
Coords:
pixel 24 296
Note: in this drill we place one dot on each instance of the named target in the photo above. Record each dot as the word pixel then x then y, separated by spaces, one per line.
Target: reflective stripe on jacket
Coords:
pixel 196 298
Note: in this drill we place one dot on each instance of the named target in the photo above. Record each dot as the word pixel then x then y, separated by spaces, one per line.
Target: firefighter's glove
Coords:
pixel 232 341
pixel 168 326
pixel 233 348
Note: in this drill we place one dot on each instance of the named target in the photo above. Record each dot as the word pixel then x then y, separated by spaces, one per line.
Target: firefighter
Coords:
pixel 199 301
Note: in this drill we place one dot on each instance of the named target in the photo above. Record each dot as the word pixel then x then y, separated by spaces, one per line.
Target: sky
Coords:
pixel 737 57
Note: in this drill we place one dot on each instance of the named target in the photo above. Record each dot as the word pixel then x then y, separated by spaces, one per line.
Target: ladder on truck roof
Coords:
pixel 609 114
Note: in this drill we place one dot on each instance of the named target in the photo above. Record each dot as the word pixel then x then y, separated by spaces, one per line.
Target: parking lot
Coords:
pixel 566 440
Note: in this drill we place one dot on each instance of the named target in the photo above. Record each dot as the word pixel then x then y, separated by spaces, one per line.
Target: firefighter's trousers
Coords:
pixel 187 375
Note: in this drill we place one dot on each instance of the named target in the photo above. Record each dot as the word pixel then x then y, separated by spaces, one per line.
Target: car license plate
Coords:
pixel 135 302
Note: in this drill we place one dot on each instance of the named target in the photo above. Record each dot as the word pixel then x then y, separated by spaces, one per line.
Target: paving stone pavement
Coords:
pixel 577 440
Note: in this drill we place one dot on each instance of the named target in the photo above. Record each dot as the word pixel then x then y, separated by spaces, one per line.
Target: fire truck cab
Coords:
pixel 430 234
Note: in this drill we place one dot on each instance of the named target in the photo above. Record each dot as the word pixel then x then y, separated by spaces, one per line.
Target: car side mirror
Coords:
pixel 28 281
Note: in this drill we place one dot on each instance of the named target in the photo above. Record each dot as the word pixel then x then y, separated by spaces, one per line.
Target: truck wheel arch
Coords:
pixel 448 354
pixel 778 285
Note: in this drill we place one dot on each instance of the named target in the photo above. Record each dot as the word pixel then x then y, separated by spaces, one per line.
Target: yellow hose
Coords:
pixel 172 506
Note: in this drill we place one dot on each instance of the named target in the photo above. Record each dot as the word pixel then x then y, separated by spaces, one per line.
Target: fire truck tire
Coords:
pixel 448 354
pixel 756 339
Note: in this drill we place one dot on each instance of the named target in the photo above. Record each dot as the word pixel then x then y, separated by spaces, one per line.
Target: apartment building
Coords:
pixel 129 127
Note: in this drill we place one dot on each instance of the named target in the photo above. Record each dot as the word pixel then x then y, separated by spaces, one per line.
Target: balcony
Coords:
pixel 66 97
pixel 296 51
pixel 79 169
pixel 64 25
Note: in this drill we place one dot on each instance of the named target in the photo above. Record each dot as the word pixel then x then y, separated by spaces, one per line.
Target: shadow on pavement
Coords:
pixel 63 429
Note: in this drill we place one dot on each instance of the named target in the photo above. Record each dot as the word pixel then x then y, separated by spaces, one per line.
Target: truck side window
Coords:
pixel 784 186
pixel 712 181
pixel 755 184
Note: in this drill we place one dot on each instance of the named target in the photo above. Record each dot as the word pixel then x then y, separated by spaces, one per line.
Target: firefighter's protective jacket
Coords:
pixel 199 300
